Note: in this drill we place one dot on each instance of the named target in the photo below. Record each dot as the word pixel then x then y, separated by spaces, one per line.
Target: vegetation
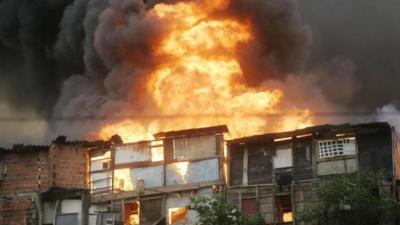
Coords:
pixel 216 211
pixel 352 199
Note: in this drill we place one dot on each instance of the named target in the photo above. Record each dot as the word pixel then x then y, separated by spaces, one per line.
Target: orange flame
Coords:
pixel 200 78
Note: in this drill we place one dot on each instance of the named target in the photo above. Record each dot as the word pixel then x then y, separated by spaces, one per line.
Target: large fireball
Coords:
pixel 200 82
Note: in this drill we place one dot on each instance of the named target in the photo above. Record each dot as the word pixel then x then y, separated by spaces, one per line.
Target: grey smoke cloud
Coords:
pixel 366 33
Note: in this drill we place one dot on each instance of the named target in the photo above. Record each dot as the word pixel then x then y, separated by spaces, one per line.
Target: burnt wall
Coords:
pixel 374 143
pixel 236 166
pixel 150 211
pixel 302 159
pixel 260 165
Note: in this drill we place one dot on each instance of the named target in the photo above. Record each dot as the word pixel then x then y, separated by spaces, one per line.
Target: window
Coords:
pixel 2 167
pixel 106 165
pixel 157 151
pixel 284 209
pixel 334 148
pixel 283 158
pixel 178 216
pixel 249 206
pixel 188 148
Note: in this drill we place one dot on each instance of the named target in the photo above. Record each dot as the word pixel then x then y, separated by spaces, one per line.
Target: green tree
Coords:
pixel 352 199
pixel 215 210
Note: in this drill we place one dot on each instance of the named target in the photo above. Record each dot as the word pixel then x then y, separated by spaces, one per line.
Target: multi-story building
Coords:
pixel 150 182
pixel 44 185
pixel 274 174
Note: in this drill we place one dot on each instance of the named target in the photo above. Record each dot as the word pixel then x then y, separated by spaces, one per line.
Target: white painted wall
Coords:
pixel 153 176
pixel 132 153
pixel 181 202
pixel 101 183
pixel 200 171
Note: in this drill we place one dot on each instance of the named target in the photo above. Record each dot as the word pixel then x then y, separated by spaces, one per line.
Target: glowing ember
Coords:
pixel 199 81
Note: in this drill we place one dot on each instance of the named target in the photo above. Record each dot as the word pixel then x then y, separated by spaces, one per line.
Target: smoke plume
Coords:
pixel 90 59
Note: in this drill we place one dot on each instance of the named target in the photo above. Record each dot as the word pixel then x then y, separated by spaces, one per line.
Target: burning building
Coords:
pixel 150 181
pixel 274 174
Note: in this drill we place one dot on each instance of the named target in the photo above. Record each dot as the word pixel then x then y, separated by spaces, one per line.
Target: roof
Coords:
pixel 315 130
pixel 25 148
pixel 192 132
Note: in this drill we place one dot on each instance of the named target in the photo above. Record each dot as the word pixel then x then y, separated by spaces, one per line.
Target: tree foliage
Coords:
pixel 215 210
pixel 352 199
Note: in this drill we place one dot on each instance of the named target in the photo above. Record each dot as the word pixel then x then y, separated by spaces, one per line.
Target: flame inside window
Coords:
pixel 287 217
pixel 177 215
pixel 122 180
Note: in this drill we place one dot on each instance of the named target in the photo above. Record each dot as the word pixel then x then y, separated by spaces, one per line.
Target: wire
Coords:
pixel 174 116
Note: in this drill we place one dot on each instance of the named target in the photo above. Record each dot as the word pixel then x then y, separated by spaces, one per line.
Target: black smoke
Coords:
pixel 30 75
pixel 68 57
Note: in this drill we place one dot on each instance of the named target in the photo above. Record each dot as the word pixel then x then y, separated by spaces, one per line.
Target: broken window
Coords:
pixel 249 206
pixel 284 211
pixel 178 215
pixel 131 213
pixel 334 148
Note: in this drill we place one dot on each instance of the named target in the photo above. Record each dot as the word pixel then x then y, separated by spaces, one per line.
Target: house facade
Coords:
pixel 274 174
pixel 44 185
pixel 150 182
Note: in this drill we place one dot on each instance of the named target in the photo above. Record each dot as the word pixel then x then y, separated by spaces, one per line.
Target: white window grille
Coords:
pixel 335 148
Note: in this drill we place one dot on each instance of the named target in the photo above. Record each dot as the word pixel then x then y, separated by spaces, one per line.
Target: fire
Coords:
pixel 122 180
pixel 199 82
pixel 182 169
